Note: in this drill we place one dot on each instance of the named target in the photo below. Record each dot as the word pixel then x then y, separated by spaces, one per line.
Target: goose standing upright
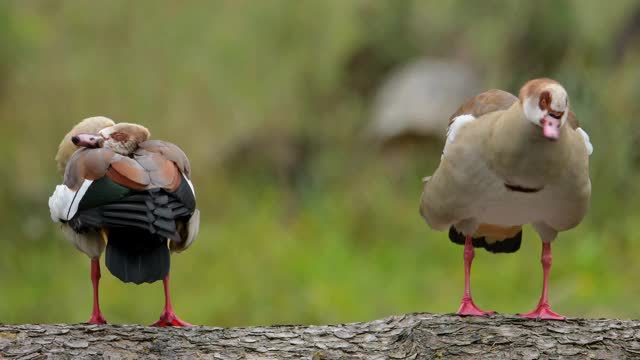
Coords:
pixel 129 195
pixel 510 161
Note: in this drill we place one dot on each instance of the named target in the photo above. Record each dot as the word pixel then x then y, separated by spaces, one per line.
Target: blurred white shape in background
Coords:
pixel 418 98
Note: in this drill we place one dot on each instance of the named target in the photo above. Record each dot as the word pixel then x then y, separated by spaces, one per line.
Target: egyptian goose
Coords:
pixel 510 161
pixel 129 195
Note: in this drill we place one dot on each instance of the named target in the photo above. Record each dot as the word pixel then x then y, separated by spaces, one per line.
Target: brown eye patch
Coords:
pixel 545 100
pixel 119 136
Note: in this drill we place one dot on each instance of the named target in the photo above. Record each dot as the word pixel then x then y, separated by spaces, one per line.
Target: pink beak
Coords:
pixel 87 140
pixel 550 127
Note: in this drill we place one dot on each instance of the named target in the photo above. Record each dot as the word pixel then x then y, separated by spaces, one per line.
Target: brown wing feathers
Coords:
pixel 129 172
pixel 148 169
pixel 86 164
pixel 162 172
pixel 484 103
pixel 170 152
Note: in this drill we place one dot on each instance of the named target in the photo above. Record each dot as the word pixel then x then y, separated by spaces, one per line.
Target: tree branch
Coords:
pixel 412 336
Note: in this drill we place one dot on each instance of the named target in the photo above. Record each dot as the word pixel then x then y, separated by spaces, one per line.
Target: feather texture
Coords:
pixel 498 172
pixel 139 204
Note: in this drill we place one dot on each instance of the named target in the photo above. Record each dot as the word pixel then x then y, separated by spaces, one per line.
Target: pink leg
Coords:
pixel 543 311
pixel 96 315
pixel 168 317
pixel 467 307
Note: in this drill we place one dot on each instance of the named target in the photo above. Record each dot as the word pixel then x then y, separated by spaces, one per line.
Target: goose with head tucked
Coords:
pixel 129 195
pixel 510 161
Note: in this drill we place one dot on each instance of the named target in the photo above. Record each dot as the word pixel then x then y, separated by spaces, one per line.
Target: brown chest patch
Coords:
pixel 114 175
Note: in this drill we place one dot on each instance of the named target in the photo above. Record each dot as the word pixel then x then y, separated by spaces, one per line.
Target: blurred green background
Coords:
pixel 306 218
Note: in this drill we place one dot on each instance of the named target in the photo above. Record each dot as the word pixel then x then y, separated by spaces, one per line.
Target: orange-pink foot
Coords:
pixel 543 312
pixel 468 308
pixel 97 319
pixel 169 318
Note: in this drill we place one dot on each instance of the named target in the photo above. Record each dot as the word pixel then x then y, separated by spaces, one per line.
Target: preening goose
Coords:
pixel 510 161
pixel 130 195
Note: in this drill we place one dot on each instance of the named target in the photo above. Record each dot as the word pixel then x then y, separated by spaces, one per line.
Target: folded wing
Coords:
pixel 149 191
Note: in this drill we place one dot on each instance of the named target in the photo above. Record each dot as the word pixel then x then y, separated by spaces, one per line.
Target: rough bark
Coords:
pixel 413 336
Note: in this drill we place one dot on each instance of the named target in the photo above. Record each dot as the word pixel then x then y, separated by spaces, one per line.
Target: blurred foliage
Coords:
pixel 304 220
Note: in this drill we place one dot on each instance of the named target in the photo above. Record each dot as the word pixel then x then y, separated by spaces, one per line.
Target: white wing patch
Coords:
pixel 193 227
pixel 193 190
pixel 63 203
pixel 587 141
pixel 457 124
